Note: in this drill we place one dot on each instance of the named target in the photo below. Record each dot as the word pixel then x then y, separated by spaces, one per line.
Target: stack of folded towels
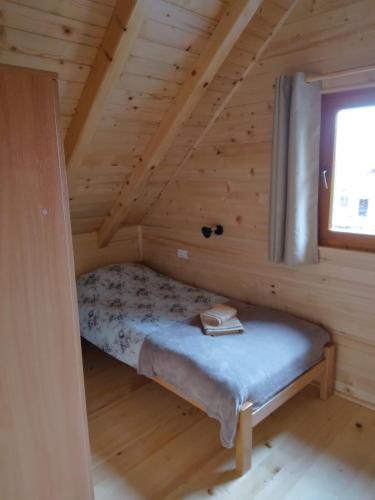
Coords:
pixel 221 320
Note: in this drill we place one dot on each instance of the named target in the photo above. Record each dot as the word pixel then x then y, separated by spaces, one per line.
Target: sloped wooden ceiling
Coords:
pixel 67 36
pixel 240 64
pixel 53 35
pixel 240 61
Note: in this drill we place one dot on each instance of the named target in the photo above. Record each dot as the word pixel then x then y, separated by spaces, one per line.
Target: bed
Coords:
pixel 151 322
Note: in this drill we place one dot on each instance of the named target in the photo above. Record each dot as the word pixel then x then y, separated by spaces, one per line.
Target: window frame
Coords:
pixel 331 104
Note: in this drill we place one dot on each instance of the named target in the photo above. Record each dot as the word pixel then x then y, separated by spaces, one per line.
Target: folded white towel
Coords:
pixel 231 326
pixel 218 315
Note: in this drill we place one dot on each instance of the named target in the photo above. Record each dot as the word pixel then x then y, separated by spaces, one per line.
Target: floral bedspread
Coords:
pixel 119 305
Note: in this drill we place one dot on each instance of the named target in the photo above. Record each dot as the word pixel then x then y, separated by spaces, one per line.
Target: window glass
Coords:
pixel 353 186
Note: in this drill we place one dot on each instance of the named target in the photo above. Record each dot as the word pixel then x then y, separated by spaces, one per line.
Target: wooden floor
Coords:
pixel 149 444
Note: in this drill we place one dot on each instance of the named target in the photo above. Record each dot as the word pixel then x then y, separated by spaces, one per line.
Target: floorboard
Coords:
pixel 149 444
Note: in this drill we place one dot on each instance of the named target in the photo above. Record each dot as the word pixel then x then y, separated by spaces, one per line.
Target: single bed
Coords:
pixel 151 322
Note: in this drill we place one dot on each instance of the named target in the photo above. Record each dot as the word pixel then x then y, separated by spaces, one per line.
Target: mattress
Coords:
pixel 121 304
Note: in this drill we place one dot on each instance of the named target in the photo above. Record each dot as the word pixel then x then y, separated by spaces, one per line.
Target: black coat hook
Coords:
pixel 207 231
pixel 219 230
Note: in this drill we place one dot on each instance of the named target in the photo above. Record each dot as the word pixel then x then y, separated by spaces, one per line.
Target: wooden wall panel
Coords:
pixel 125 247
pixel 55 36
pixel 227 181
pixel 43 422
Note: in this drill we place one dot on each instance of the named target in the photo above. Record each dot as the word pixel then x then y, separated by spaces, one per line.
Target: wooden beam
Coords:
pixel 147 209
pixel 234 20
pixel 111 57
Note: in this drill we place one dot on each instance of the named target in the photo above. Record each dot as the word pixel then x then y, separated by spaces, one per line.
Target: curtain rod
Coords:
pixel 339 74
pixel 346 88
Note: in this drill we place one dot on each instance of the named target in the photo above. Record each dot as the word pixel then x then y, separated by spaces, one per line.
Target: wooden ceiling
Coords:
pixel 140 84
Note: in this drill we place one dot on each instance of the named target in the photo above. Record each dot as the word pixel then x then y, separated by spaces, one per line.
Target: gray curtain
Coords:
pixel 293 226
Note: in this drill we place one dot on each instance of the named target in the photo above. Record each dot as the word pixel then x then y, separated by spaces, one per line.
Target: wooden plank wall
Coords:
pixel 126 246
pixel 227 181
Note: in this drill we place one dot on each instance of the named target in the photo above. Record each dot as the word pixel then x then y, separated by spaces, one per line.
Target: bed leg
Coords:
pixel 244 439
pixel 327 378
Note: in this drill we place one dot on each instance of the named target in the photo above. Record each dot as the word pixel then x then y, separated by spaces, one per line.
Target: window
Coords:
pixel 347 170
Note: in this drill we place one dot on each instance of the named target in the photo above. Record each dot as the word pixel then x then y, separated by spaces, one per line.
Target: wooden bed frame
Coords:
pixel 249 418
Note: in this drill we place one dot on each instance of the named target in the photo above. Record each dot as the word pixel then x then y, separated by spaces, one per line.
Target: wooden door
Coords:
pixel 44 451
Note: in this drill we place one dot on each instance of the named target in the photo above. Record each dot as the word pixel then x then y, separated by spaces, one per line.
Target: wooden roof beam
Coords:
pixel 234 20
pixel 111 57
